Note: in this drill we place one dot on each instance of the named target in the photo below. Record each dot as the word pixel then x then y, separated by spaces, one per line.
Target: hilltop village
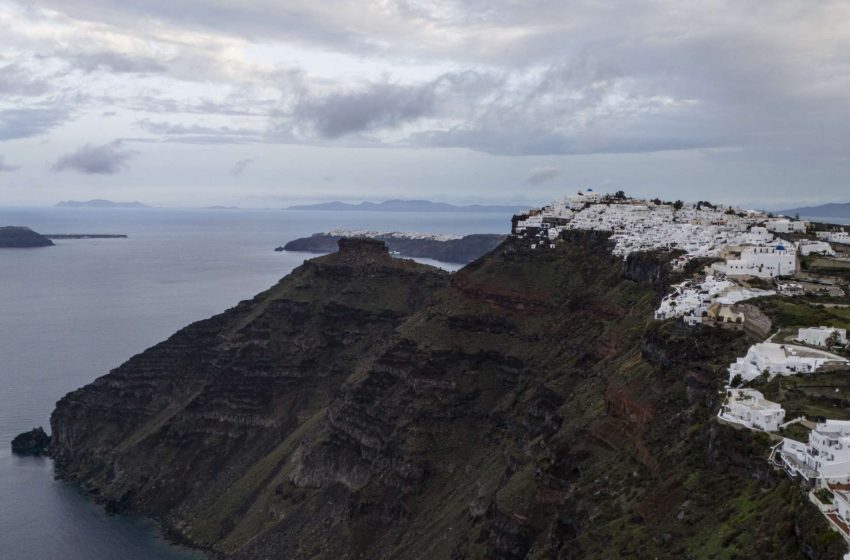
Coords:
pixel 728 256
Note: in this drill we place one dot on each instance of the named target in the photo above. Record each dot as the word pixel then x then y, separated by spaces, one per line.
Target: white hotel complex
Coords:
pixel 826 456
pixel 781 359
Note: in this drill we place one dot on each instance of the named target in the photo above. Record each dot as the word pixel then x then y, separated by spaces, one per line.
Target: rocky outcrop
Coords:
pixel 16 237
pixel 367 407
pixel 33 442
pixel 463 250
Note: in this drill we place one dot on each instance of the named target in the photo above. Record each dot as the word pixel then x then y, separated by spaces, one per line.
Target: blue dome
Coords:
pixel 780 247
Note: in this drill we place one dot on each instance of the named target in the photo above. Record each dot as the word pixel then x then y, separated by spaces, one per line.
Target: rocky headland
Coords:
pixel 452 249
pixel 18 237
pixel 526 406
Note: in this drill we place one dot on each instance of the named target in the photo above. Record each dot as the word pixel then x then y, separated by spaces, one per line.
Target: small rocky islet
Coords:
pixel 34 442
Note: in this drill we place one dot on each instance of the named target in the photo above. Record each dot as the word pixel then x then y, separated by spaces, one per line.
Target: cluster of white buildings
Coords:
pixel 698 230
pixel 694 299
pixel 644 225
pixel 748 406
pixel 781 359
pixel 822 461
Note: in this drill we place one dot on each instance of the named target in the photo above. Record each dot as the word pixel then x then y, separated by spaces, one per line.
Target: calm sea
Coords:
pixel 70 313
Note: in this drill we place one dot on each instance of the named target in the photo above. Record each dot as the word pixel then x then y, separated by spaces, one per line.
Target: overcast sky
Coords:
pixel 270 102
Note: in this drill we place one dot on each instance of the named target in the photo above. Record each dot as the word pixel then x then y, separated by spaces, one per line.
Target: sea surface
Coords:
pixel 70 313
pixel 826 220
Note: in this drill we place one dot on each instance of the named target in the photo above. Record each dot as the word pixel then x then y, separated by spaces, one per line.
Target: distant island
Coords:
pixel 85 235
pixel 445 248
pixel 831 210
pixel 408 206
pixel 18 237
pixel 99 203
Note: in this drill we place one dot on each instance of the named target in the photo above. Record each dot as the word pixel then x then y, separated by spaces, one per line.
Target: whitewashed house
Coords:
pixel 834 236
pixel 826 456
pixel 780 359
pixel 822 336
pixel 808 247
pixel 785 225
pixel 749 408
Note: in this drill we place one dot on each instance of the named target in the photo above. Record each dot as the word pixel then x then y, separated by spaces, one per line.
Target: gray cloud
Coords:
pixel 240 166
pixel 198 134
pixel 5 166
pixel 381 105
pixel 540 175
pixel 26 122
pixel 107 159
pixel 553 85
pixel 15 80
pixel 116 62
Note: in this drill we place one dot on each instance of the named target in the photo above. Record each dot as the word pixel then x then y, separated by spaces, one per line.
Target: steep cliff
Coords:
pixel 365 407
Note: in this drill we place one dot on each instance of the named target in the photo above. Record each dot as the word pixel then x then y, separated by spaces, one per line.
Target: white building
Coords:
pixel 762 262
pixel 839 237
pixel 834 236
pixel 749 408
pixel 780 359
pixel 785 225
pixel 825 458
pixel 808 247
pixel 757 235
pixel 821 336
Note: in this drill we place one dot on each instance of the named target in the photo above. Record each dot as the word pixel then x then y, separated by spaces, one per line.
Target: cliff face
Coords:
pixel 365 407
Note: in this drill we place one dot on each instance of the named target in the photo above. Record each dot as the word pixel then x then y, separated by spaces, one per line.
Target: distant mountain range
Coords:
pixel 407 206
pixel 99 203
pixel 831 210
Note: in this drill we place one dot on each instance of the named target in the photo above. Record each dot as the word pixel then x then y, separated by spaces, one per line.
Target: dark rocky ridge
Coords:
pixel 463 250
pixel 369 407
pixel 14 237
